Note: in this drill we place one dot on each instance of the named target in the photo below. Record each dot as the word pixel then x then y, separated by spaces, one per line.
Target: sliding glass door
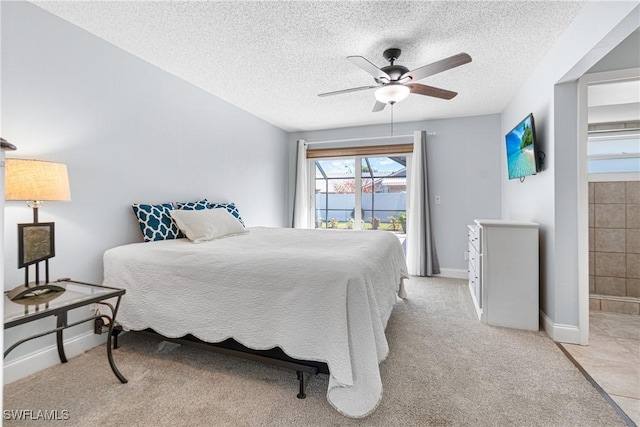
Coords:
pixel 361 193
pixel 335 198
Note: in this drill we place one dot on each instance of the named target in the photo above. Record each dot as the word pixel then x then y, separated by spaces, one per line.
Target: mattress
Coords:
pixel 319 295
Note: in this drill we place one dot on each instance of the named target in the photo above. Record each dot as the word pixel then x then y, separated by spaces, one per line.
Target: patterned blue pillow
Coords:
pixel 230 207
pixel 156 222
pixel 193 206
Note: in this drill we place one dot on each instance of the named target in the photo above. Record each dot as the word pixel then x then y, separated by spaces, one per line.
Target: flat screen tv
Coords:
pixel 522 159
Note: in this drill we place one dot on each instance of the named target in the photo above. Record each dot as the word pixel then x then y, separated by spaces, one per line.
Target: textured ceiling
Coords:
pixel 272 58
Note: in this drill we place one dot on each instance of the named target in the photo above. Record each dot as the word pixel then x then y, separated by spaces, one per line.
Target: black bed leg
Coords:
pixel 301 394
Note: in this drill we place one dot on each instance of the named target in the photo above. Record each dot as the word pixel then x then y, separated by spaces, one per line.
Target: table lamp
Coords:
pixel 35 181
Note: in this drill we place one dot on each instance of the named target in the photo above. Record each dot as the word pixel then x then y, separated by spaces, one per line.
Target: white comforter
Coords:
pixel 319 295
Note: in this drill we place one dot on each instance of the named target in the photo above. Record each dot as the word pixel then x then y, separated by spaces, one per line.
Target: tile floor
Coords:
pixel 612 358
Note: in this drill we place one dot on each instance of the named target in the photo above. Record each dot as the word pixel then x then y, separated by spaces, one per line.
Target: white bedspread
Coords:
pixel 319 295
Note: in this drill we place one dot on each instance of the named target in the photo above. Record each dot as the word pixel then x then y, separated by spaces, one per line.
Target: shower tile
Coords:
pixel 610 240
pixel 633 266
pixel 633 192
pixel 633 215
pixel 592 239
pixel 591 192
pixel 610 192
pixel 633 241
pixel 592 284
pixel 592 265
pixel 611 265
pixel 611 215
pixel 633 288
pixel 611 286
pixel 594 304
pixel 620 307
pixel 592 215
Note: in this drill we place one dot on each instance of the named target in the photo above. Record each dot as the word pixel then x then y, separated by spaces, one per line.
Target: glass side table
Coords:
pixel 58 304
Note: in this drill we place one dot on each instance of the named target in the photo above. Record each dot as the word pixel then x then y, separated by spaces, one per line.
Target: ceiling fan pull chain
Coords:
pixel 392 118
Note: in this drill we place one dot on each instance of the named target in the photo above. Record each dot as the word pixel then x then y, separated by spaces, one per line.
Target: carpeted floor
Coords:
pixel 444 369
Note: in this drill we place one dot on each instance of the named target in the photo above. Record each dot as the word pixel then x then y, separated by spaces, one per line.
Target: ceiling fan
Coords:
pixel 395 82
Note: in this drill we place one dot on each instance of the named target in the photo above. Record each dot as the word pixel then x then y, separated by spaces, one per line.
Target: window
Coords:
pixel 361 192
pixel 613 151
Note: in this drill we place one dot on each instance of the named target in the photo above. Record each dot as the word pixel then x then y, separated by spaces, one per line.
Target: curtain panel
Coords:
pixel 422 259
pixel 301 195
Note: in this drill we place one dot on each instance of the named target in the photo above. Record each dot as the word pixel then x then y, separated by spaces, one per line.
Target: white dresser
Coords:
pixel 503 272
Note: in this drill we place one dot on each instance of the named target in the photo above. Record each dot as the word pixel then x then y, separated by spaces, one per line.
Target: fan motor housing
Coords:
pixel 394 71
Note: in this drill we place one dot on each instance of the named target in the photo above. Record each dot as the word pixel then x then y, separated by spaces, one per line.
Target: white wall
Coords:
pixel 128 132
pixel 550 198
pixel 625 55
pixel 464 170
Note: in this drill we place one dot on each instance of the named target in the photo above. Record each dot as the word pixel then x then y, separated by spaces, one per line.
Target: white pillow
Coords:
pixel 206 224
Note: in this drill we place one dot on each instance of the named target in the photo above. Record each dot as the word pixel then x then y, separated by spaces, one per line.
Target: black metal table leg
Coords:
pixel 301 394
pixel 109 351
pixel 61 322
pixel 115 334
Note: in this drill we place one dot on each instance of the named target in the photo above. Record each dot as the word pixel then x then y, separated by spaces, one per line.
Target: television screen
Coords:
pixel 521 149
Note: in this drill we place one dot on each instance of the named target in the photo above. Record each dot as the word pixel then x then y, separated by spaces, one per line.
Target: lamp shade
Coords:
pixel 35 180
pixel 392 92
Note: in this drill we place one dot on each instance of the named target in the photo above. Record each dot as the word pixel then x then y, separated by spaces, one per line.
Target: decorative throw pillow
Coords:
pixel 206 224
pixel 193 206
pixel 230 207
pixel 155 221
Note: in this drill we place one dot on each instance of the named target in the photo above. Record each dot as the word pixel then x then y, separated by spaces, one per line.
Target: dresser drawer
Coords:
pixel 474 239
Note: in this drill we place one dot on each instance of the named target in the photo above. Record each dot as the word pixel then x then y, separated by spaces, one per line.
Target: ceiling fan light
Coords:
pixel 392 92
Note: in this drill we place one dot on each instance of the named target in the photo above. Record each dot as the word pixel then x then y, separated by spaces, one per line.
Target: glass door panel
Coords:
pixel 335 193
pixel 384 193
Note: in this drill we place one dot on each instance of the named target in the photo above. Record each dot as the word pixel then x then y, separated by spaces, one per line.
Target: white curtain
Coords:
pixel 421 254
pixel 301 197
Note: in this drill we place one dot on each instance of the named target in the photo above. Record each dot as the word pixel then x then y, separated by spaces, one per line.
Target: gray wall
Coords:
pixel 550 198
pixel 464 168
pixel 128 132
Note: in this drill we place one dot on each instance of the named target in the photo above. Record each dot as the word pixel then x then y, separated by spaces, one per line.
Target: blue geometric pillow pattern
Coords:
pixel 230 207
pixel 155 222
pixel 193 206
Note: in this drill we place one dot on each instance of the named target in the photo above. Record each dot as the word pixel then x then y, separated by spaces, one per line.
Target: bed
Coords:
pixel 318 295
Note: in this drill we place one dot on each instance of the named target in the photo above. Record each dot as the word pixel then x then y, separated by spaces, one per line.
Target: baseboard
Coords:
pixel 560 333
pixel 453 273
pixel 48 356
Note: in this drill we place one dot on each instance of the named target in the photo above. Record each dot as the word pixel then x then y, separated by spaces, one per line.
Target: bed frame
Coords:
pixel 274 356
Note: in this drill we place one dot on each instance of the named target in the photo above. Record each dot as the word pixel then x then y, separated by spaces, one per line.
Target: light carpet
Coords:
pixel 445 368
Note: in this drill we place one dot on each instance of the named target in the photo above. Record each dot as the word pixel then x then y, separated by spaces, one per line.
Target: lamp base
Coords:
pixel 26 291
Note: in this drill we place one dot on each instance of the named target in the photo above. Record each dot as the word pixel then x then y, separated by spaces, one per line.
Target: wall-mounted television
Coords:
pixel 522 159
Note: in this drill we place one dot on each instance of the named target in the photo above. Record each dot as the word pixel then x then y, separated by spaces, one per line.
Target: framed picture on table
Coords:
pixel 35 243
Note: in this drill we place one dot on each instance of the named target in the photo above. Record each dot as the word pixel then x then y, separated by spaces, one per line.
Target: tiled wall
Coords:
pixel 614 244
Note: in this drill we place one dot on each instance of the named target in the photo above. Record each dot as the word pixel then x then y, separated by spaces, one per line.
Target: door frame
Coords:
pixel 583 188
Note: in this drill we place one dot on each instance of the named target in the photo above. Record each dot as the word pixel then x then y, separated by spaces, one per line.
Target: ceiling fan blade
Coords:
pixel 338 92
pixel 378 107
pixel 369 67
pixel 437 67
pixel 421 89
